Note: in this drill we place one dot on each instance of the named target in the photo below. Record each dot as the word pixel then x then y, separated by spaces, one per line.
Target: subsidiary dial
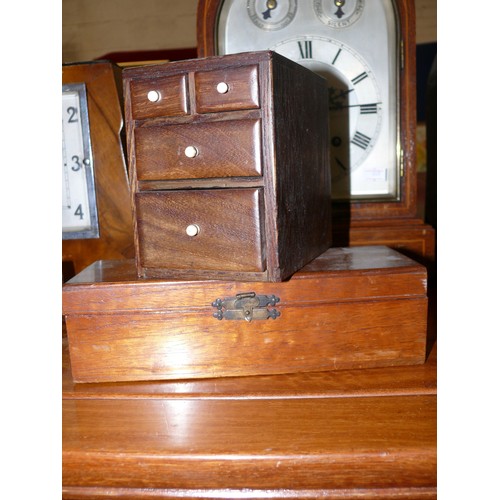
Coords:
pixel 338 13
pixel 271 14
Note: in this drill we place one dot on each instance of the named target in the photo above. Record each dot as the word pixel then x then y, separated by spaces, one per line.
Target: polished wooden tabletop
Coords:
pixel 346 434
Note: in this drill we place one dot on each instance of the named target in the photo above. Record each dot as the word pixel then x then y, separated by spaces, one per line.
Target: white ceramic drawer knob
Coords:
pixel 191 152
pixel 222 87
pixel 192 230
pixel 154 95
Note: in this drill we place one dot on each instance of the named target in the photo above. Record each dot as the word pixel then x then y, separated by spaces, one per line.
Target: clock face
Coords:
pixel 79 210
pixel 354 45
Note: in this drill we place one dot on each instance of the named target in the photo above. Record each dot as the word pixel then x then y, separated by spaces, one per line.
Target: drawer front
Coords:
pixel 201 230
pixel 227 90
pixel 165 96
pixel 197 151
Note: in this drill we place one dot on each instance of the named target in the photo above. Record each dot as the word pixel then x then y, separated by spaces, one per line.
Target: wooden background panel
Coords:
pixel 92 28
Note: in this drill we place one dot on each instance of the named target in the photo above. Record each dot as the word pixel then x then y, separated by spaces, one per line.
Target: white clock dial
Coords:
pixel 356 110
pixel 79 211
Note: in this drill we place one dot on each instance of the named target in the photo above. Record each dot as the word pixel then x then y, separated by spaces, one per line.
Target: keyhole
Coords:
pixel 248 314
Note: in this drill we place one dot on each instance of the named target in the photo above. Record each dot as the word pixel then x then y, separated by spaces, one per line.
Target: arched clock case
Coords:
pixel 366 51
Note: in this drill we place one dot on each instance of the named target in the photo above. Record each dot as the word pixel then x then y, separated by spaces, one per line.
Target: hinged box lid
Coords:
pixel 339 274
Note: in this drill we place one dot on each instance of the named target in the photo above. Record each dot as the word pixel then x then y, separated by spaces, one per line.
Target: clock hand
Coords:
pixel 336 96
pixel 366 107
pixel 339 4
pixel 341 165
pixel 271 5
pixel 342 94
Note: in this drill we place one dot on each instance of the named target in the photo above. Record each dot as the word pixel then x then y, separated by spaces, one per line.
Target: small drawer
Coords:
pixel 215 230
pixel 165 96
pixel 227 89
pixel 228 148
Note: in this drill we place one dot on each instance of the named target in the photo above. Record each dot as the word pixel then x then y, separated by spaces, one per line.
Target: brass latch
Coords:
pixel 246 306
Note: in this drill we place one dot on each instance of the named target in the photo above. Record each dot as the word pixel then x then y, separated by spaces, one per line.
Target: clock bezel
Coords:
pixel 359 210
pixel 93 231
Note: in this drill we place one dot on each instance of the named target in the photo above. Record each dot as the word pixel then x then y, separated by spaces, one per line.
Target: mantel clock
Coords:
pixel 366 51
pixel 96 211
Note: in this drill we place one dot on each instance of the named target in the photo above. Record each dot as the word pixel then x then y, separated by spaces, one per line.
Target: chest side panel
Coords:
pixel 302 164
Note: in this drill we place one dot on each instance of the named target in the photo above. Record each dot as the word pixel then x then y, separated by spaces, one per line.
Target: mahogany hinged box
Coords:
pixel 229 167
pixel 353 307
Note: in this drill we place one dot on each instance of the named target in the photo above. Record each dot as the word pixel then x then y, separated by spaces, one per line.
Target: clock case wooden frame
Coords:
pixel 393 223
pixel 103 82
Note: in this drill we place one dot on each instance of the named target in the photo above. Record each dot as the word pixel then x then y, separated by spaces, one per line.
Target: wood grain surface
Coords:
pixel 338 275
pixel 160 150
pixel 174 102
pixel 349 434
pixel 230 233
pixel 351 309
pixel 256 132
pixel 243 90
pixel 375 382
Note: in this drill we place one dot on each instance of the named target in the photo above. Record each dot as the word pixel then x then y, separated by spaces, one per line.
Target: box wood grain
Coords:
pixel 350 308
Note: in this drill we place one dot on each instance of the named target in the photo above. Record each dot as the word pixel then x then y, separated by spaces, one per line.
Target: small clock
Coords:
pixel 97 222
pixel 79 205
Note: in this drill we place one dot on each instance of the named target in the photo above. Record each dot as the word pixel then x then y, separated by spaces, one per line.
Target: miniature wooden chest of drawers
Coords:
pixel 229 167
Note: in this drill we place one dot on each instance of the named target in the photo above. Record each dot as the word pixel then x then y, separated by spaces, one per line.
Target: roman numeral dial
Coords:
pixel 355 102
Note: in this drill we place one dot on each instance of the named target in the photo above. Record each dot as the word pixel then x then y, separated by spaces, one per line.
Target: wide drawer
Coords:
pixel 227 89
pixel 165 96
pixel 218 229
pixel 195 151
pixel 356 307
